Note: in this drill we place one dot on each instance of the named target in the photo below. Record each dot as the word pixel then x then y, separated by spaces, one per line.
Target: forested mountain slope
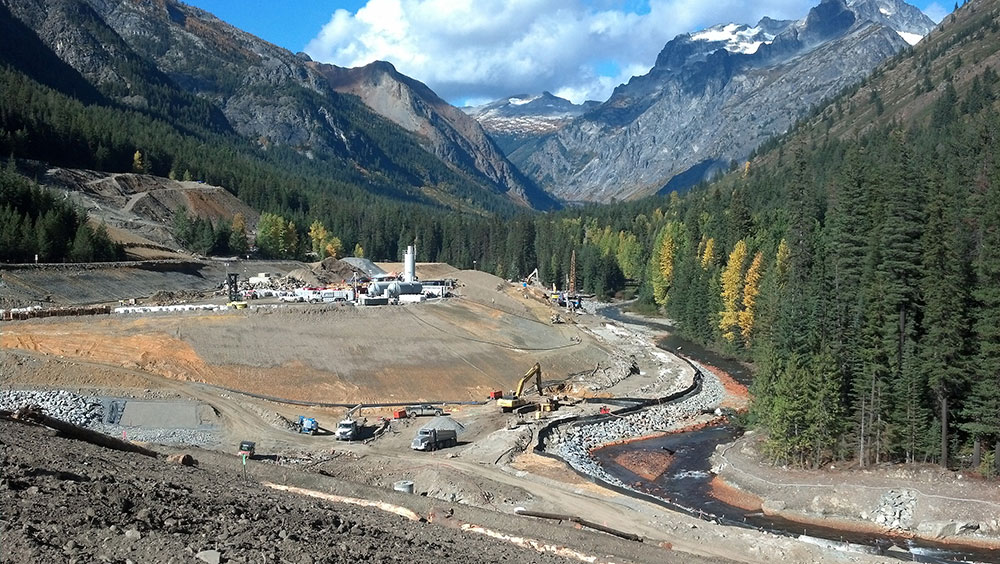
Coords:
pixel 857 260
pixel 187 69
pixel 445 130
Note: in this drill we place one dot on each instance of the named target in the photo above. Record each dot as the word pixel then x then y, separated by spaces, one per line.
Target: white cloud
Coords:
pixel 488 49
pixel 936 12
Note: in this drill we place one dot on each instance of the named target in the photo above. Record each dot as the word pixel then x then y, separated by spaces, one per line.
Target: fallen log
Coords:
pixel 581 522
pixel 34 414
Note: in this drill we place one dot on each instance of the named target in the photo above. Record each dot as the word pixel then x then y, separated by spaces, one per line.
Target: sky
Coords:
pixel 474 51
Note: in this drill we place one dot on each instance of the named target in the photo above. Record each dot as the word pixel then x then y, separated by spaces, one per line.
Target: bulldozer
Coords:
pixel 508 403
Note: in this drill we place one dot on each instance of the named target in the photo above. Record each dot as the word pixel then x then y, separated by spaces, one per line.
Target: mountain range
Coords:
pixel 711 97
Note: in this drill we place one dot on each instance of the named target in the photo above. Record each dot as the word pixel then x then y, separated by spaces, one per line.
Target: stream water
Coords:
pixel 687 480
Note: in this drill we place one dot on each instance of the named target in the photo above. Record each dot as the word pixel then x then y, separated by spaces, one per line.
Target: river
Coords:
pixel 686 480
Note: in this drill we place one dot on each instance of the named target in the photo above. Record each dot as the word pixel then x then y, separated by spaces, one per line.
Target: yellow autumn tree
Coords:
pixel 708 254
pixel 732 287
pixel 662 265
pixel 318 235
pixel 139 163
pixel 751 288
pixel 334 247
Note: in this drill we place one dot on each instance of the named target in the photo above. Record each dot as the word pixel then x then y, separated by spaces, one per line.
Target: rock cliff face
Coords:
pixel 188 64
pixel 445 131
pixel 713 96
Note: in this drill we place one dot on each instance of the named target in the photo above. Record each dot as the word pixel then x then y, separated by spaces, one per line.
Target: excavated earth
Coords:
pixel 74 502
pixel 70 501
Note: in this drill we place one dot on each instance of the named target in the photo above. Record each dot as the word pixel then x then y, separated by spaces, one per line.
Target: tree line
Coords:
pixel 36 226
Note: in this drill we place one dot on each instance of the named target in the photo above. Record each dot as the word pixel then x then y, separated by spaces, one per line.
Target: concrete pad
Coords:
pixel 162 414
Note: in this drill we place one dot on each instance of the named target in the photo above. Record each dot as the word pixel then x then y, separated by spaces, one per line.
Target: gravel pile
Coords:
pixel 445 423
pixel 575 442
pixel 61 404
pixel 175 437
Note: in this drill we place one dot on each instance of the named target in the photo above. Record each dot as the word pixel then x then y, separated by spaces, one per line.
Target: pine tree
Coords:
pixel 945 298
pixel 82 249
pixel 238 235
pixel 982 410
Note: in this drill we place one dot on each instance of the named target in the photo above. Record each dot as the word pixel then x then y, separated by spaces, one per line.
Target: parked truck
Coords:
pixel 247 449
pixel 423 409
pixel 347 430
pixel 433 439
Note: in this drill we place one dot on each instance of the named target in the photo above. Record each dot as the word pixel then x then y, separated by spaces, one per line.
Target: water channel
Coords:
pixel 687 480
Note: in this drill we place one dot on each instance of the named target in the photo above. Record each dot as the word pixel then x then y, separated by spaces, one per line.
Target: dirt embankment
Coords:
pixel 452 350
pixel 138 209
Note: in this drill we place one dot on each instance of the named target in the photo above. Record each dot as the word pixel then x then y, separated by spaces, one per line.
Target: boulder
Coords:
pixel 182 458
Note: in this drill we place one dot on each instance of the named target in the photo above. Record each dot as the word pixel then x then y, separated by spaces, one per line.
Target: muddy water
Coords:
pixel 686 482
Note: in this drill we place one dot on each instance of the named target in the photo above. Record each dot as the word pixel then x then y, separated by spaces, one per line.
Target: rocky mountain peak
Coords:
pixel 442 129
pixel 715 94
pixel 512 120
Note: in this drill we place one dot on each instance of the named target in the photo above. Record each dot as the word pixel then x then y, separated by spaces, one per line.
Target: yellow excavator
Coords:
pixel 509 403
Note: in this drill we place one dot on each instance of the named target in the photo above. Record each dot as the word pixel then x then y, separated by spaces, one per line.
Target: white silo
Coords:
pixel 410 264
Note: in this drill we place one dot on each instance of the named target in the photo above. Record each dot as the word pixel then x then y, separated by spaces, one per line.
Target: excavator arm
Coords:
pixel 535 371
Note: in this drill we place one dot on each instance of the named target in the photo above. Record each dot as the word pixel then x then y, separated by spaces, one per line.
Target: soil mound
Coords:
pixel 338 270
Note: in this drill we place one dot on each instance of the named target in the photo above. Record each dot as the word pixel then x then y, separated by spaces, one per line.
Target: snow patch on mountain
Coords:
pixel 911 38
pixel 522 101
pixel 737 38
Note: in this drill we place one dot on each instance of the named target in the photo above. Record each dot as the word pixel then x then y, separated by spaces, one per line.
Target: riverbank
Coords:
pixel 912 502
pixel 877 503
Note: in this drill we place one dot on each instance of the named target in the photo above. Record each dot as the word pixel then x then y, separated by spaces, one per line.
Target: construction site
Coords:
pixel 442 412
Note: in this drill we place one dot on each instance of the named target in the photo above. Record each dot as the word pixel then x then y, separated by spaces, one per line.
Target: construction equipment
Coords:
pixel 509 403
pixel 232 286
pixel 247 449
pixel 307 425
pixel 532 279
pixel 433 439
pixel 347 430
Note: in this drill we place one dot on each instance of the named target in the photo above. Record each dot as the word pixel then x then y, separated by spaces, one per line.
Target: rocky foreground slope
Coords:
pixel 69 501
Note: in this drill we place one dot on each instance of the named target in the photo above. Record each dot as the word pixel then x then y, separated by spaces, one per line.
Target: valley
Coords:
pixel 262 305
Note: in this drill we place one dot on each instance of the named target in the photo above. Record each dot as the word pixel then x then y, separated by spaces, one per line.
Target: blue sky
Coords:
pixel 473 51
